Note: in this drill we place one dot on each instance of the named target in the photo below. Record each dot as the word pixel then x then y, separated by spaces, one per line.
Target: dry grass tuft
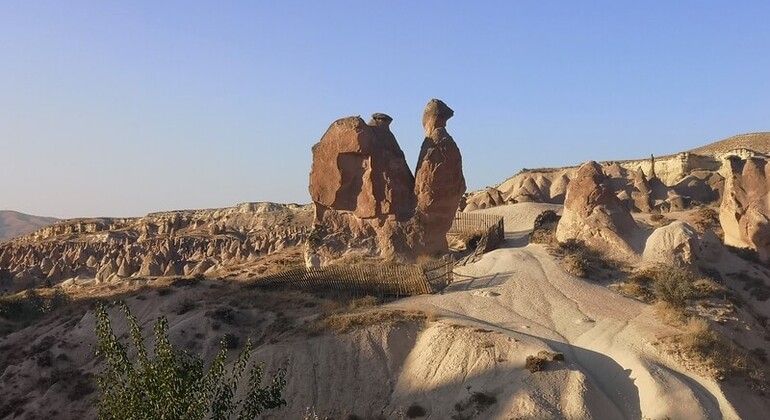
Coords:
pixel 539 362
pixel 707 218
pixel 343 323
pixel 702 343
pixel 670 285
pixel 582 261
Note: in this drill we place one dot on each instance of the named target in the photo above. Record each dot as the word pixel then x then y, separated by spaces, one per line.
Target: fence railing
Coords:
pixel 391 279
pixel 388 279
pixel 491 228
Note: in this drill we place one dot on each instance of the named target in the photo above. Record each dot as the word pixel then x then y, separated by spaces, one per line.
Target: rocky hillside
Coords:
pixel 758 142
pixel 13 223
pixel 656 184
pixel 210 243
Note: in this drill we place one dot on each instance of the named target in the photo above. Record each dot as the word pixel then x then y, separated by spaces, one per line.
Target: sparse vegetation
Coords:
pixel 343 323
pixel 581 260
pixel 538 362
pixel 475 404
pixel 754 285
pixel 30 305
pixel 707 218
pixel 702 343
pixel 174 384
pixel 670 285
pixel 544 228
pixel 415 411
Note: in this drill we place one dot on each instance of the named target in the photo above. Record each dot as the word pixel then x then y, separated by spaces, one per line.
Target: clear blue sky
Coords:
pixel 119 108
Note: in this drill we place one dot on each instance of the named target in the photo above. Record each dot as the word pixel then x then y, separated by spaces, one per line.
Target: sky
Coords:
pixel 120 108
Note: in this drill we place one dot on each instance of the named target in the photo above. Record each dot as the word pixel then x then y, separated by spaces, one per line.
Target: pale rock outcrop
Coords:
pixel 484 199
pixel 745 208
pixel 675 244
pixel 594 214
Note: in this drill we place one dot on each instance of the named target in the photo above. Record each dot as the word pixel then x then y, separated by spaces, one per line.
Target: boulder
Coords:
pixel 675 244
pixel 594 214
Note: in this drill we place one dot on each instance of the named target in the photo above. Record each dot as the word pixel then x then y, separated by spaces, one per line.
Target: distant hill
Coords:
pixel 13 223
pixel 758 142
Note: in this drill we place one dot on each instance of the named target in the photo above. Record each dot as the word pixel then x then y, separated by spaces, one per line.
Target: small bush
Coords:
pixel 542 236
pixel 538 362
pixel 28 306
pixel 342 323
pixel 174 384
pixel 185 306
pixel 707 218
pixel 581 260
pixel 534 364
pixel 547 220
pixel 226 315
pixel 415 411
pixel 703 343
pixel 476 403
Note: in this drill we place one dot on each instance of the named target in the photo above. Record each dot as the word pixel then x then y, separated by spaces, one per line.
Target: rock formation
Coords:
pixel 367 200
pixel 675 244
pixel 745 208
pixel 158 244
pixel 594 214
pixel 439 180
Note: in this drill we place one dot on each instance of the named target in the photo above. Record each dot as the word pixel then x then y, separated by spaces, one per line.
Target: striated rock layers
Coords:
pixel 594 214
pixel 744 211
pixel 366 198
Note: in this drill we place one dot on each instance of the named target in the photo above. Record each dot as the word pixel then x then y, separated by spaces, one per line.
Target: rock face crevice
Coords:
pixel 368 201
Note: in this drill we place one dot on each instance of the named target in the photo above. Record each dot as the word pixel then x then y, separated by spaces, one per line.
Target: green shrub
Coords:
pixel 174 384
pixel 28 306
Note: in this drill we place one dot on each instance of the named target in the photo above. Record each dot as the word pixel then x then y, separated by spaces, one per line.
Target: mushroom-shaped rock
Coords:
pixel 439 179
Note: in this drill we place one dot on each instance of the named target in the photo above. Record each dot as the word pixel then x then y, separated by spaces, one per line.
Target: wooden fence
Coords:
pixel 391 279
pixel 491 228
pixel 388 279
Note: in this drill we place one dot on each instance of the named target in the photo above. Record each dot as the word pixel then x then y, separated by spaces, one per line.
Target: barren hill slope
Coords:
pixel 460 354
pixel 758 142
pixel 13 223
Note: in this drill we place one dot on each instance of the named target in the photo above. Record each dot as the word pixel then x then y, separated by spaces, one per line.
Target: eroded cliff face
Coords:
pixel 366 199
pixel 194 242
pixel 647 185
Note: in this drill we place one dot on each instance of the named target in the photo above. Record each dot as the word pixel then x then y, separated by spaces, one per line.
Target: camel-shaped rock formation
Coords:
pixel 366 198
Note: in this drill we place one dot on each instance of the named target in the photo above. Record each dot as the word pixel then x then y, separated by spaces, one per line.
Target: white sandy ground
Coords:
pixel 512 303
